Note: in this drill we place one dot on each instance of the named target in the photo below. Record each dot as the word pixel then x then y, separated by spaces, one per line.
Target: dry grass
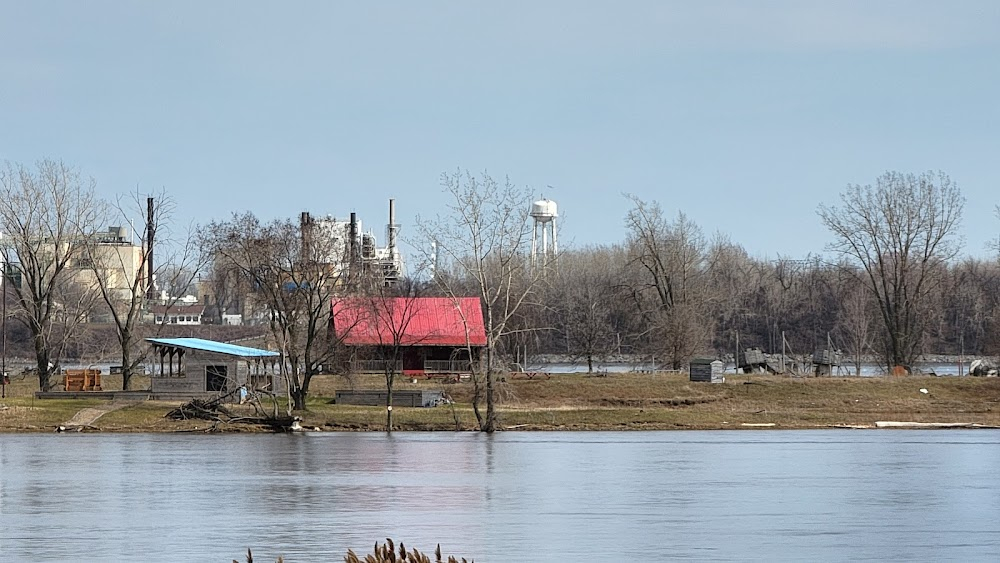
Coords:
pixel 615 402
pixel 386 553
pixel 656 401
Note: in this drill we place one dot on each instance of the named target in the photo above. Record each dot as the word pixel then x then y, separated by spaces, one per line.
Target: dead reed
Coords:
pixel 386 553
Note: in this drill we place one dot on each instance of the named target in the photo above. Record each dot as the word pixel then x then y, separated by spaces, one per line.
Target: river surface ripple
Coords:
pixel 540 496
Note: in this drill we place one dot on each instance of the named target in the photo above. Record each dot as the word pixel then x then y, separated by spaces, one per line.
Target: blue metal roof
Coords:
pixel 213 346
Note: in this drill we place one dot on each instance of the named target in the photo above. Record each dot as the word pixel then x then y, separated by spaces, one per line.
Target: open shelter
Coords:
pixel 196 366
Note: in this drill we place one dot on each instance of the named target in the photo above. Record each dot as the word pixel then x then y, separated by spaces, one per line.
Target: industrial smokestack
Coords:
pixel 354 241
pixel 150 228
pixel 393 228
pixel 306 235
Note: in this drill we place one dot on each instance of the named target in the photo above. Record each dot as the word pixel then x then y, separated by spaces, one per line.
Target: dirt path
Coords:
pixel 87 416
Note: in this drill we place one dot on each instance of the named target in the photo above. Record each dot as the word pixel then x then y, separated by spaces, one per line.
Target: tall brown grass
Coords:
pixel 386 553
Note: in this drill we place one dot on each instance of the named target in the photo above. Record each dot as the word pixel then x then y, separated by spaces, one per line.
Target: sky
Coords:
pixel 743 115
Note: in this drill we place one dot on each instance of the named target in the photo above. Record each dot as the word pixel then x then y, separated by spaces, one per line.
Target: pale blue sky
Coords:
pixel 744 115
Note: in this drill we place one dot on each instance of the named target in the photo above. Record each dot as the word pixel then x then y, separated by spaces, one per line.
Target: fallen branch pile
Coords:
pixel 215 411
pixel 203 410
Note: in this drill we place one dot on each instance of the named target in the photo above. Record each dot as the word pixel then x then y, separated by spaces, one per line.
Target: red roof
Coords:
pixel 414 321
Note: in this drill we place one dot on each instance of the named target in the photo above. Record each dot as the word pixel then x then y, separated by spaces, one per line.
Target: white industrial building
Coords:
pixel 343 244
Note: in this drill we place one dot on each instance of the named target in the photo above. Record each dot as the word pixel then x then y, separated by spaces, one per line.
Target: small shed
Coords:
pixel 707 370
pixel 197 367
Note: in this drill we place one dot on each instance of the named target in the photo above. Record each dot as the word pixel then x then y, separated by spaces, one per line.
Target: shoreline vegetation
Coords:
pixel 386 553
pixel 617 401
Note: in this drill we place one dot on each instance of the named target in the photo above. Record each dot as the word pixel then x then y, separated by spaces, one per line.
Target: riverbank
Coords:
pixel 629 401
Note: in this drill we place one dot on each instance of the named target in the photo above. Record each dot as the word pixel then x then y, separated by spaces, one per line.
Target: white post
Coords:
pixel 545 244
pixel 555 242
pixel 534 241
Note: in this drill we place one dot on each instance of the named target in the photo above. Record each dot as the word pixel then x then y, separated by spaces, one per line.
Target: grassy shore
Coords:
pixel 581 402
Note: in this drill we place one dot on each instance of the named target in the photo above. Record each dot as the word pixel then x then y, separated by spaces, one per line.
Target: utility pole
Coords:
pixel 736 358
pixel 961 354
pixel 3 324
pixel 782 352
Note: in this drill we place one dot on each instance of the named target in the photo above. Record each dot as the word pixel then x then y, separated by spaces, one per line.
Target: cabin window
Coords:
pixel 216 378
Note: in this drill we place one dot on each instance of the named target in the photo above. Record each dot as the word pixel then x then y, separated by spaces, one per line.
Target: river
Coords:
pixel 541 496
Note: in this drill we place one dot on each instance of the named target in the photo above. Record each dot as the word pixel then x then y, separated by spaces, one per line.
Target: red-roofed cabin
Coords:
pixel 436 334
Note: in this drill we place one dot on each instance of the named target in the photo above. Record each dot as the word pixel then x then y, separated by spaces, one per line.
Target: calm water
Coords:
pixel 651 496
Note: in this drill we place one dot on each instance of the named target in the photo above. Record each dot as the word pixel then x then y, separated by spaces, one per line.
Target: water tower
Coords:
pixel 544 213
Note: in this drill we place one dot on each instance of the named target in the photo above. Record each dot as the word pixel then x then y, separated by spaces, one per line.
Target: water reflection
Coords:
pixel 509 497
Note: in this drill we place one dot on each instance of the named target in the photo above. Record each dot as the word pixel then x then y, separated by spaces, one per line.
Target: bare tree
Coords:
pixel 179 275
pixel 995 245
pixel 484 239
pixel 386 315
pixel 964 307
pixel 292 284
pixel 900 232
pixel 854 326
pixel 43 212
pixel 227 290
pixel 672 295
pixel 729 273
pixel 121 271
pixel 580 294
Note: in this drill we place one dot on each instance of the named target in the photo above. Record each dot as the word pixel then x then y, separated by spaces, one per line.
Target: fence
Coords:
pixel 429 366
pixel 374 366
pixel 448 366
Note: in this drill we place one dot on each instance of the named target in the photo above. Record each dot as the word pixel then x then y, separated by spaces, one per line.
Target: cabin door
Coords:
pixel 413 360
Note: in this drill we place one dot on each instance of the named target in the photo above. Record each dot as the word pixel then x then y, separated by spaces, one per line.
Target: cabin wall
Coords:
pixel 415 359
pixel 207 372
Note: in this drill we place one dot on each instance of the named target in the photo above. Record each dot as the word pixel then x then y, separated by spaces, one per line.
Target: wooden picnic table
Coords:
pixel 82 380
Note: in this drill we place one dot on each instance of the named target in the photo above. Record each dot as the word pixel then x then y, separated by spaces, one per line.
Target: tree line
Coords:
pixel 890 285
